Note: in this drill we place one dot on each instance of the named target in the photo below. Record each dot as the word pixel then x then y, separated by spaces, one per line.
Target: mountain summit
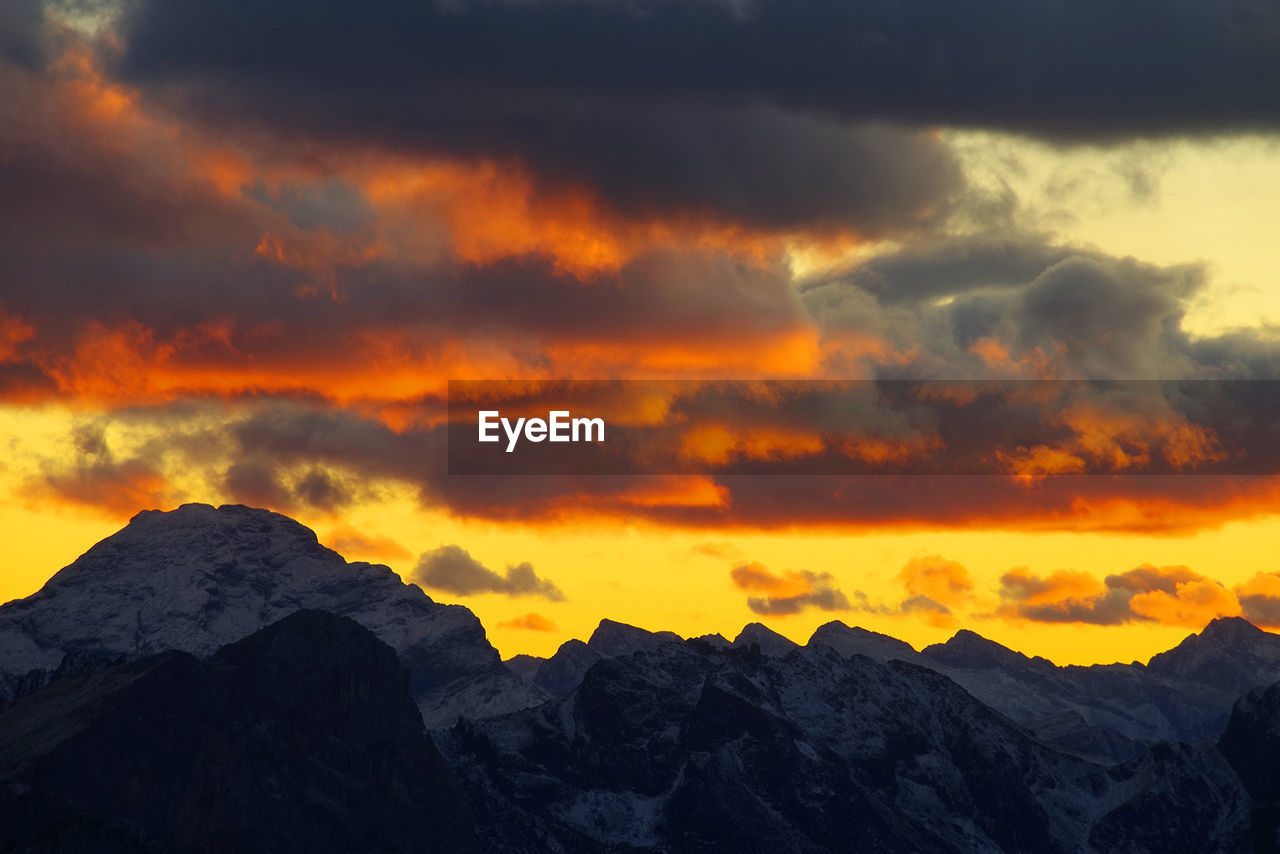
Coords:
pixel 1230 653
pixel 197 578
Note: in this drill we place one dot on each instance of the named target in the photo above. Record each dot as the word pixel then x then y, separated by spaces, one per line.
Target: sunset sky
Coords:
pixel 244 247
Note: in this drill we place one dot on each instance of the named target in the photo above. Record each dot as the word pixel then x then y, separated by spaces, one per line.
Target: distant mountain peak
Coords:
pixel 1230 652
pixel 967 648
pixel 612 638
pixel 1219 633
pixel 1230 629
pixel 251 539
pixel 855 640
pixel 769 641
pixel 198 577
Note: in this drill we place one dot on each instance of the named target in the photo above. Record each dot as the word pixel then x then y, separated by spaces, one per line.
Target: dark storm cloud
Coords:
pixel 1074 311
pixel 331 204
pixel 744 164
pixel 264 484
pixel 1086 69
pixel 22 35
pixel 105 225
pixel 107 222
pixel 256 485
pixel 953 265
pixel 1115 317
pixel 434 81
pixel 453 569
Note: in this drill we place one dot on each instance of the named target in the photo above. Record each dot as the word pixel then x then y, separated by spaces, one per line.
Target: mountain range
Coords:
pixel 214 679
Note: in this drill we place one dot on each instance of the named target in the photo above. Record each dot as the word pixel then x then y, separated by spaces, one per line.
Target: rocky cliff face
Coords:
pixel 689 748
pixel 1108 712
pixel 301 737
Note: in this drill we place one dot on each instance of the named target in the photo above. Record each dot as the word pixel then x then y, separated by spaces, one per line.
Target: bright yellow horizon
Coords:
pixel 629 573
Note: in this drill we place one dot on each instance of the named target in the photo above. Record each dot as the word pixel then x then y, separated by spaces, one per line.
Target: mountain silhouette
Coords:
pixel 198 577
pixel 213 679
pixel 301 737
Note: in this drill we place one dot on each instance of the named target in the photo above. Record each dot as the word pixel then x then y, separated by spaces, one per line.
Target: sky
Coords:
pixel 244 248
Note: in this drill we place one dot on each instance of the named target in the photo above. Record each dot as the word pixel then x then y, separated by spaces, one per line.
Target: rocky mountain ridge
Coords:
pixel 197 578
pixel 630 741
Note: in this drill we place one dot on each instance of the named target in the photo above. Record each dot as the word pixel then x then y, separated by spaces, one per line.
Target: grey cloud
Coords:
pixel 1091 69
pixel 22 35
pixel 257 485
pixel 1261 609
pixel 454 570
pixel 822 599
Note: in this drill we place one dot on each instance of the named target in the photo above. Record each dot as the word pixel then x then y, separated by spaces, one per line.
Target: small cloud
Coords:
pixel 257 485
pixel 531 621
pixel 322 490
pixel 1170 595
pixel 349 542
pixel 96 479
pixel 934 586
pixel 453 569
pixel 260 485
pixel 932 577
pixel 719 550
pixel 1193 604
pixel 1260 599
pixel 791 592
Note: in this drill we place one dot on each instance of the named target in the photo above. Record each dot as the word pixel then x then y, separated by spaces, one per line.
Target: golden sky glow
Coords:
pixel 216 314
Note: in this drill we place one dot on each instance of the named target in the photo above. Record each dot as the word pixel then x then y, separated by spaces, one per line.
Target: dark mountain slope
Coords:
pixel 299 738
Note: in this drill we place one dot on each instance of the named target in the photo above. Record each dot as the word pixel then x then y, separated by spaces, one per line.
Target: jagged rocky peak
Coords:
pixel 612 639
pixel 199 577
pixel 1231 629
pixel 1230 653
pixel 1223 633
pixel 715 640
pixel 770 642
pixel 270 538
pixel 197 551
pixel 524 666
pixel 968 649
pixel 855 640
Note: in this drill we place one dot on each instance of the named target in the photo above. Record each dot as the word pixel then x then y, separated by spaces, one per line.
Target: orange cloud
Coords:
pixel 791 592
pixel 1170 595
pixel 673 491
pixel 114 489
pixel 349 542
pixel 495 210
pixel 946 582
pixel 532 622
pixel 786 352
pixel 1192 603
pixel 721 550
pixel 720 444
pixel 755 577
pixel 1060 588
pixel 1114 437
pixel 13 331
pixel 934 588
